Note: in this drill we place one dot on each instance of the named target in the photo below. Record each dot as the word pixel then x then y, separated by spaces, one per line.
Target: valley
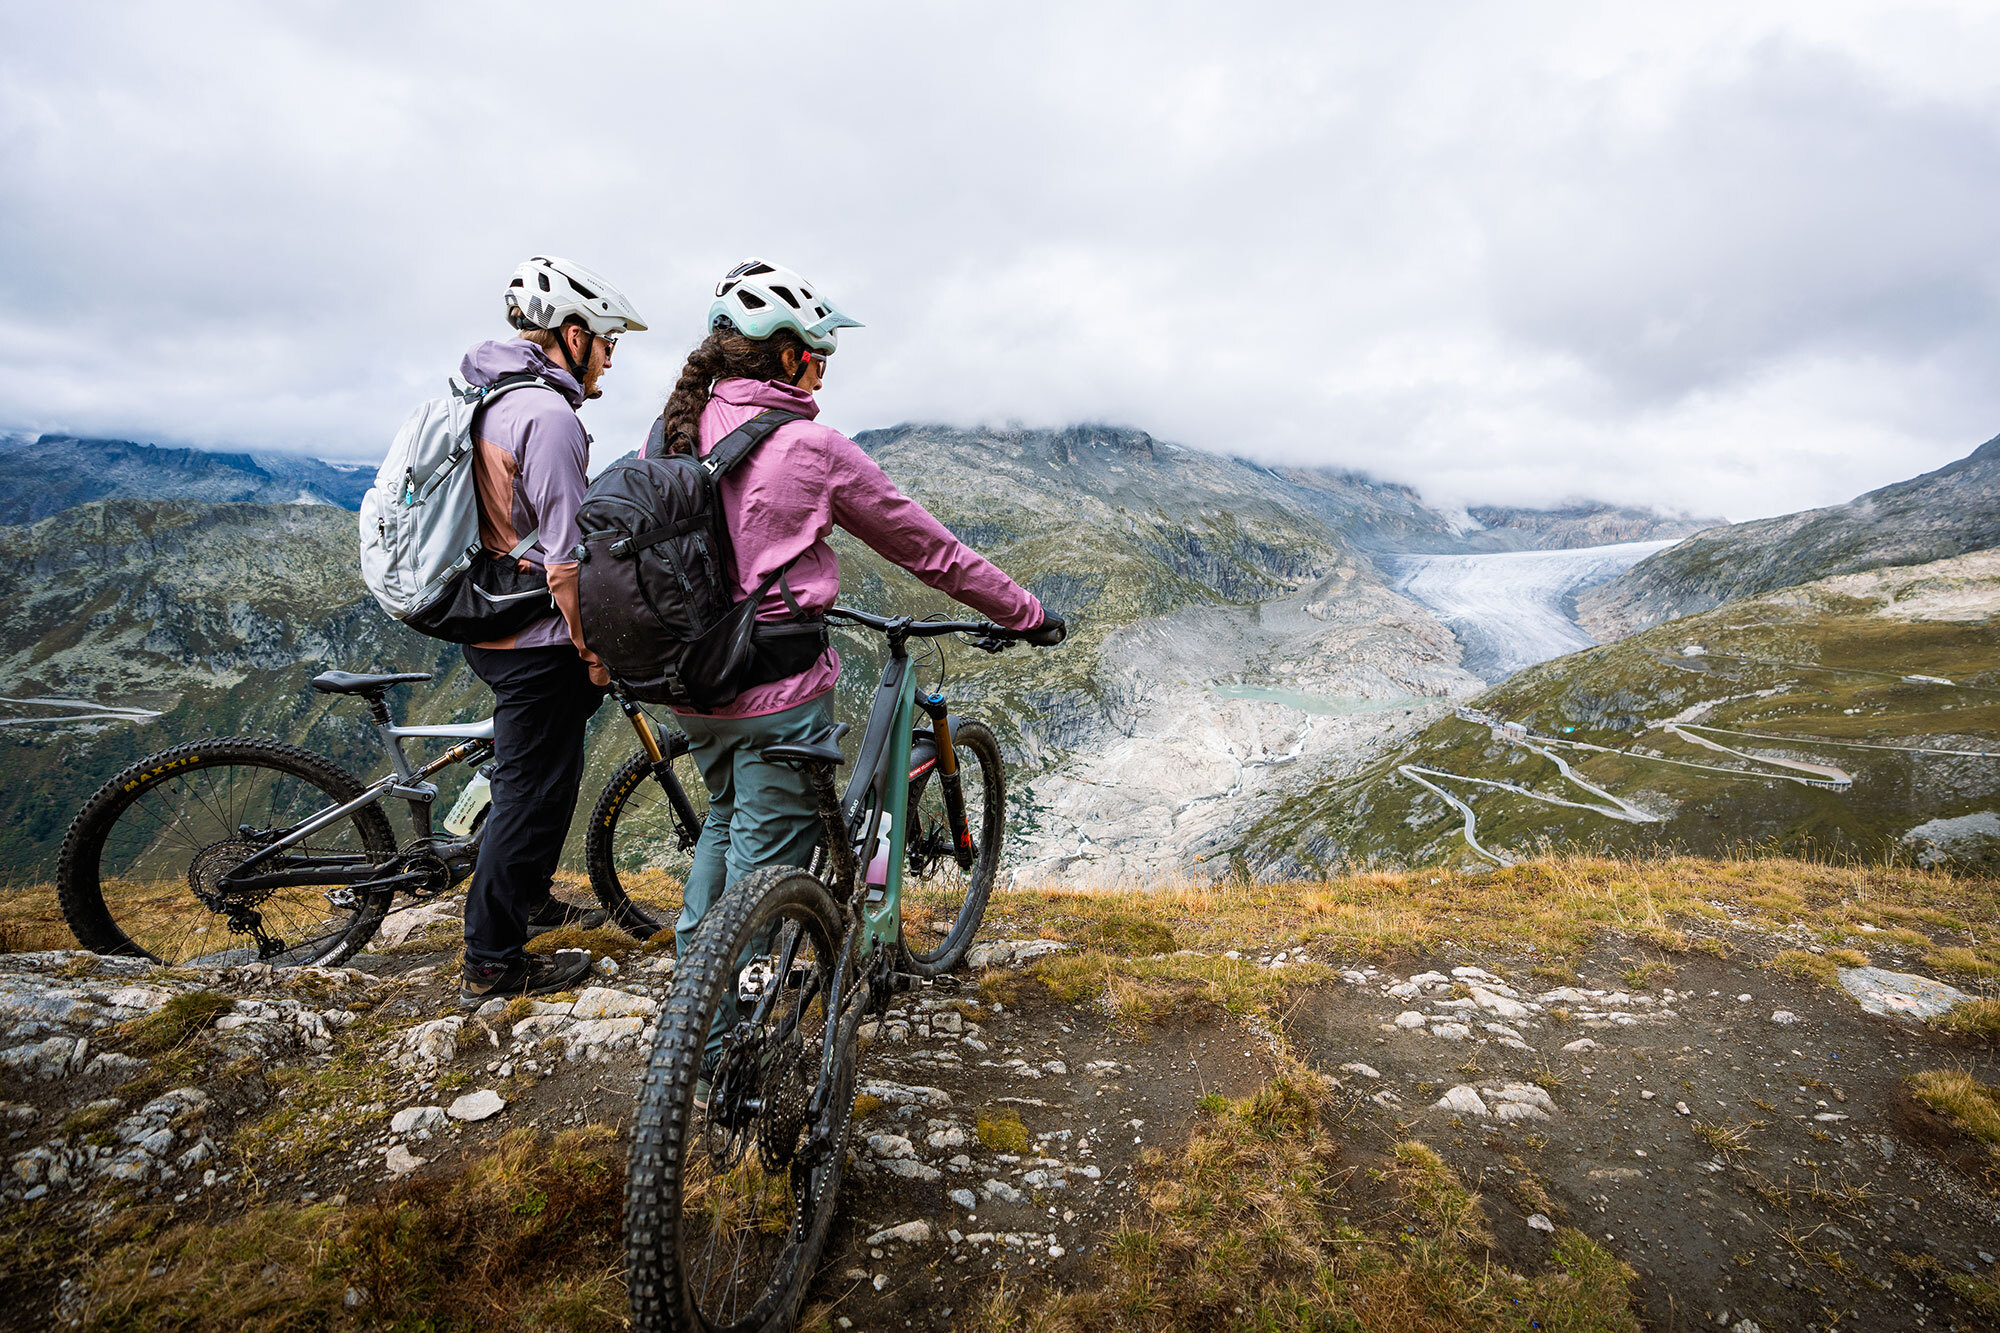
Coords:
pixel 1264 678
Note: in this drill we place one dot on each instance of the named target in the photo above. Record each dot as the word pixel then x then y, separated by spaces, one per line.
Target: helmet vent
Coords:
pixel 819 311
pixel 751 301
pixel 757 269
pixel 785 293
pixel 517 283
pixel 543 278
pixel 582 290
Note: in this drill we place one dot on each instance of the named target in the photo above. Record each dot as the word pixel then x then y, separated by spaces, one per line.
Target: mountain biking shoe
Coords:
pixel 555 914
pixel 534 974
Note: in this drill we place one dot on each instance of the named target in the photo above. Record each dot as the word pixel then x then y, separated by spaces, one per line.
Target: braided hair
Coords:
pixel 723 354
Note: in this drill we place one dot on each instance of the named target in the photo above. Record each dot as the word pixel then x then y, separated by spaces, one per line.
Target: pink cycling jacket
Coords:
pixel 790 494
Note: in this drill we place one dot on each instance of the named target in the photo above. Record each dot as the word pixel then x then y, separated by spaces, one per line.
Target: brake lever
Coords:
pixel 993 643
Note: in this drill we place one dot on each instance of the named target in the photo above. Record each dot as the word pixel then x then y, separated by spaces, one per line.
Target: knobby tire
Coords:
pixel 670 1152
pixel 80 875
pixel 983 781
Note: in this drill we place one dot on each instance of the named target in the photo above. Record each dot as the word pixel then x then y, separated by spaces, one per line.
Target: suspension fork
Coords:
pixel 947 767
pixel 661 757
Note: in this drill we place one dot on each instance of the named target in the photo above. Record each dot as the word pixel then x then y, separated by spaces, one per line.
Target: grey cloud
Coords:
pixel 1507 256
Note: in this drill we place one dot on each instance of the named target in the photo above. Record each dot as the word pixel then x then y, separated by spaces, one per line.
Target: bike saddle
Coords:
pixel 822 749
pixel 352 682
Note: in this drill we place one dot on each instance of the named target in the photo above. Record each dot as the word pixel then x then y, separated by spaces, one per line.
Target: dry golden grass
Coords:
pixel 1247 1228
pixel 526 1237
pixel 1979 1018
pixel 1557 903
pixel 1953 960
pixel 1555 906
pixel 173 1023
pixel 1973 1107
pixel 1802 966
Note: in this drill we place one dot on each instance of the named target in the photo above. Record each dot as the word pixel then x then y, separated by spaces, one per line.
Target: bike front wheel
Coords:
pixel 728 1203
pixel 950 864
pixel 145 866
pixel 641 842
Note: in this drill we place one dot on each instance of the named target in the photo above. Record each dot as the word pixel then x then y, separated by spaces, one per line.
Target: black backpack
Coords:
pixel 656 580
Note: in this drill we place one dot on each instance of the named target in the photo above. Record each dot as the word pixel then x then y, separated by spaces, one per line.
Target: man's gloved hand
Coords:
pixel 1049 633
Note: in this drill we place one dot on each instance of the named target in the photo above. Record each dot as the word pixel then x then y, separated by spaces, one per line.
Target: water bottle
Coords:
pixel 478 794
pixel 878 865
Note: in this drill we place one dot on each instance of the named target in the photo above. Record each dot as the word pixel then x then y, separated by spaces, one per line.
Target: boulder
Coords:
pixel 413 1118
pixel 1462 1100
pixel 1900 994
pixel 909 1233
pixel 428 1045
pixel 600 1002
pixel 481 1105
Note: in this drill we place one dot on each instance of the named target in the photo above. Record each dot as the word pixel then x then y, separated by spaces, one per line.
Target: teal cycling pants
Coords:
pixel 759 814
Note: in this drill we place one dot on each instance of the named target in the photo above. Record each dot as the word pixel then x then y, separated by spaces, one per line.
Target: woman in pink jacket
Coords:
pixel 770 334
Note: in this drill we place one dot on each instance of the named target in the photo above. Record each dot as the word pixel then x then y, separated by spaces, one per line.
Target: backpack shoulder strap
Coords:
pixel 481 398
pixel 736 446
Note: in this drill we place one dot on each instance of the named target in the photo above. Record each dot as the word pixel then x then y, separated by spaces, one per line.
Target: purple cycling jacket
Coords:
pixel 785 499
pixel 529 464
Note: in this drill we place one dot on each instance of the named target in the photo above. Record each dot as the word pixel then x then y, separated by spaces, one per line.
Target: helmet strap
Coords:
pixel 578 373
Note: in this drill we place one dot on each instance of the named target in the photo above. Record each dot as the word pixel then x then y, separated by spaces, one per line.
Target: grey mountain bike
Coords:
pixel 730 1198
pixel 243 849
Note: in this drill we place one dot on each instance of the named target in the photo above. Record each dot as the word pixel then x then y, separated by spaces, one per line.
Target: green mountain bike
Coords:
pixel 732 1184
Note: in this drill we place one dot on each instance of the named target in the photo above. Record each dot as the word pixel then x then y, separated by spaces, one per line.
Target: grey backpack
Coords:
pixel 420 550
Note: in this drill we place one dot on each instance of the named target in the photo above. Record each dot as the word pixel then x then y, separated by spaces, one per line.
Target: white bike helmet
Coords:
pixel 546 291
pixel 760 298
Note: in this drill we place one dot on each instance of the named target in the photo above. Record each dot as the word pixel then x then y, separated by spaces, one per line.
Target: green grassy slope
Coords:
pixel 1851 640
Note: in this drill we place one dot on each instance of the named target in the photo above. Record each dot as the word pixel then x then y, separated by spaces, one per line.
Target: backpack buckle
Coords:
pixel 622 547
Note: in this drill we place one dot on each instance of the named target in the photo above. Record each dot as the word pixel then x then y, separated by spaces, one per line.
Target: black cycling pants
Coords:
pixel 542 699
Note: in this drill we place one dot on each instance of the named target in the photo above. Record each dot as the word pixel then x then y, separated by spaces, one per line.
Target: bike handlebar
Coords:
pixel 993 638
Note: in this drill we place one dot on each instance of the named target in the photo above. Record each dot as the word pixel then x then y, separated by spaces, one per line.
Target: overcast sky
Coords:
pixel 1733 258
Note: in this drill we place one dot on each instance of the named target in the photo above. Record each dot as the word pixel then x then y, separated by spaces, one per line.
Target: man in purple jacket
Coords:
pixel 531 457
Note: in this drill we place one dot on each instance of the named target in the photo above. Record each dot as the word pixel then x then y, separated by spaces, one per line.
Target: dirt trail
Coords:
pixel 1783 1195
pixel 1743 1140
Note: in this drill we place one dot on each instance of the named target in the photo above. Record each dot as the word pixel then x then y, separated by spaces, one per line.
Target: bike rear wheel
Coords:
pixel 727 1206
pixel 944 899
pixel 639 849
pixel 142 867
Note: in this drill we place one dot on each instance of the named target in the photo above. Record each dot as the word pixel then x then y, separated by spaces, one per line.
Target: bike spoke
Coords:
pixel 181 836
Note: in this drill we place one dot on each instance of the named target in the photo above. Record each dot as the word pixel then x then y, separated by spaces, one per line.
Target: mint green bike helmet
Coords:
pixel 760 298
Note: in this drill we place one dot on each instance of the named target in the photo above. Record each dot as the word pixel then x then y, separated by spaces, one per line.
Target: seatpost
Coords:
pixel 378 713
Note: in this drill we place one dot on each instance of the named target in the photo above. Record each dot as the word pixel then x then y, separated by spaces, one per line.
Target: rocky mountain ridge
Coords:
pixel 1940 514
pixel 43 476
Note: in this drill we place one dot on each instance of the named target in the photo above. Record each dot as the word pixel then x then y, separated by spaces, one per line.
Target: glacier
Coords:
pixel 1513 609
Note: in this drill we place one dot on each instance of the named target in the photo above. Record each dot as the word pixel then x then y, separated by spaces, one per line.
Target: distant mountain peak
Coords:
pixel 56 471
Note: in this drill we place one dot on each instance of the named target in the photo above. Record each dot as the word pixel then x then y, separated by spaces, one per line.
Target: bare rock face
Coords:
pixel 1195 756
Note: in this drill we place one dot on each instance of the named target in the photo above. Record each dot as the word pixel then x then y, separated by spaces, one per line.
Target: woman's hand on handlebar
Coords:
pixel 1052 631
